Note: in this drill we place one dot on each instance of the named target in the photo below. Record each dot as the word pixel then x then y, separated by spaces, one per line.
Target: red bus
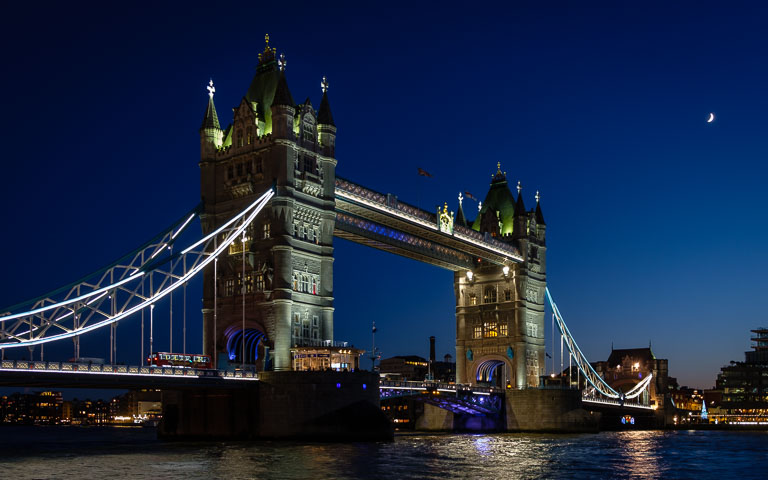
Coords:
pixel 188 360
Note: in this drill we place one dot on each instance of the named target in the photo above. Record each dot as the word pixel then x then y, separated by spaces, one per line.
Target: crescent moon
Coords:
pixel 711 118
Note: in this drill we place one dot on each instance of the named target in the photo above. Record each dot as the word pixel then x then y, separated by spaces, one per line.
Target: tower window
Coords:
pixel 472 299
pixel 309 164
pixel 267 230
pixel 478 332
pixel 490 295
pixel 507 295
pixel 259 282
pixel 229 287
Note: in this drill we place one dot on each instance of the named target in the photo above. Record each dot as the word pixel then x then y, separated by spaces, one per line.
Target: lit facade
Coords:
pixel 744 385
pixel 500 309
pixel 278 280
pixel 626 367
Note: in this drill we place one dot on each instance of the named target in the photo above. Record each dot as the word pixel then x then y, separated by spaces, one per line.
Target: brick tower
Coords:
pixel 500 309
pixel 279 281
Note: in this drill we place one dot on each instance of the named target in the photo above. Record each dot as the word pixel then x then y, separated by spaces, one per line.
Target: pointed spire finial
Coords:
pixel 324 84
pixel 211 89
pixel 498 167
pixel 266 39
pixel 519 187
pixel 460 198
pixel 538 197
pixel 281 62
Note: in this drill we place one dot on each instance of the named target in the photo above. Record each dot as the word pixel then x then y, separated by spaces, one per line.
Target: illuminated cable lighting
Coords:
pixel 67 302
pixel 158 296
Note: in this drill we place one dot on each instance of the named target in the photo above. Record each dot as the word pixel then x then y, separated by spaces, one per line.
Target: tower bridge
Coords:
pixel 271 205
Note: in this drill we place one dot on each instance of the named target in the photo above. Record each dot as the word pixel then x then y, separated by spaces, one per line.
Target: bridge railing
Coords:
pixel 108 369
pixel 440 387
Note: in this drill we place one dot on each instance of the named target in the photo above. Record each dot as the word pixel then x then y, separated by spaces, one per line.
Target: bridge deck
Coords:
pixel 82 375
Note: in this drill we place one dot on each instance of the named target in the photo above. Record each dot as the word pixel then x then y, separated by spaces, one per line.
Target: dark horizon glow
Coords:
pixel 656 223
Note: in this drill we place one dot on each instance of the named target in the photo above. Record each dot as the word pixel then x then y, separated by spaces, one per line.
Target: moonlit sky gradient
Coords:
pixel 656 219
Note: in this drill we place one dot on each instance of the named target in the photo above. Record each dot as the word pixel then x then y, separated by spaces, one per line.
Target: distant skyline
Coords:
pixel 656 219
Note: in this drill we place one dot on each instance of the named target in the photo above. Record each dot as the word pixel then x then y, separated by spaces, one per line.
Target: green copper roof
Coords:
pixel 262 90
pixel 499 199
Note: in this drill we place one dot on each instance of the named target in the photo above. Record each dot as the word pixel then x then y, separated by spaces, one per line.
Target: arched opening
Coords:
pixel 254 340
pixel 491 372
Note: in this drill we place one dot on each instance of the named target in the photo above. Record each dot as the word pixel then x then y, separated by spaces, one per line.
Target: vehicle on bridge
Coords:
pixel 165 359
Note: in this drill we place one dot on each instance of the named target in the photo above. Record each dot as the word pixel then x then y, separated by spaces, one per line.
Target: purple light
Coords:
pixel 338 385
pixel 364 386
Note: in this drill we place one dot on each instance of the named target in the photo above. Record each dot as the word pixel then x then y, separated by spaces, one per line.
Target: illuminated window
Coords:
pixel 490 295
pixel 266 230
pixel 472 299
pixel 503 330
pixel 478 332
pixel 295 282
pixel 249 134
pixel 314 286
pixel 248 283
pixel 260 282
pixel 490 329
pixel 229 287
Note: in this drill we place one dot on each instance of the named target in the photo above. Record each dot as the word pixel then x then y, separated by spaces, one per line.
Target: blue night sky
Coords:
pixel 656 219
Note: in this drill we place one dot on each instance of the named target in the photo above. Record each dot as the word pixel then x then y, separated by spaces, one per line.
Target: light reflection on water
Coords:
pixel 67 452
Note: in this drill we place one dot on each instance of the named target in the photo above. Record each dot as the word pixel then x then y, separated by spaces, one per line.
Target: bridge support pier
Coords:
pixel 543 410
pixel 325 406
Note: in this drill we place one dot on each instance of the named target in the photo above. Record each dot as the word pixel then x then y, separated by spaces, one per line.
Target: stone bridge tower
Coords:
pixel 279 281
pixel 500 310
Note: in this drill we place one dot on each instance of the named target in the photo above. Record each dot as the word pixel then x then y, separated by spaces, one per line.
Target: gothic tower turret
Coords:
pixel 210 130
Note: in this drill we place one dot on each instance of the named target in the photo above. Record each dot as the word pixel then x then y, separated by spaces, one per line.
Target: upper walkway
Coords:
pixel 382 221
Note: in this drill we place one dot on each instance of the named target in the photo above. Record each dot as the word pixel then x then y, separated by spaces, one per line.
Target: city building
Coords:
pixel 627 367
pixel 744 385
pixel 500 309
pixel 40 408
pixel 404 368
pixel 273 291
pixel 136 406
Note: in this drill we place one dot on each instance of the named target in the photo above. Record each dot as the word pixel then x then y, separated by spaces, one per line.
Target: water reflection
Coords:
pixel 77 453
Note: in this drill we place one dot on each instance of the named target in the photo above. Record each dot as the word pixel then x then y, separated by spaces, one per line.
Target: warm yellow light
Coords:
pixel 469 275
pixel 505 270
pixel 637 365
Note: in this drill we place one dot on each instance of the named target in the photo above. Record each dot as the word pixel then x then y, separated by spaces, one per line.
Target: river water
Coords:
pixel 116 453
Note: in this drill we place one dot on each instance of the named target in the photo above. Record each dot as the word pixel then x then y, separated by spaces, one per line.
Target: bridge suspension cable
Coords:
pixel 592 377
pixel 118 290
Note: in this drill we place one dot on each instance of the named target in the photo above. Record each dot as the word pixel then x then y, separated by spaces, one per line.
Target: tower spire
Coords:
pixel 324 115
pixel 211 118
